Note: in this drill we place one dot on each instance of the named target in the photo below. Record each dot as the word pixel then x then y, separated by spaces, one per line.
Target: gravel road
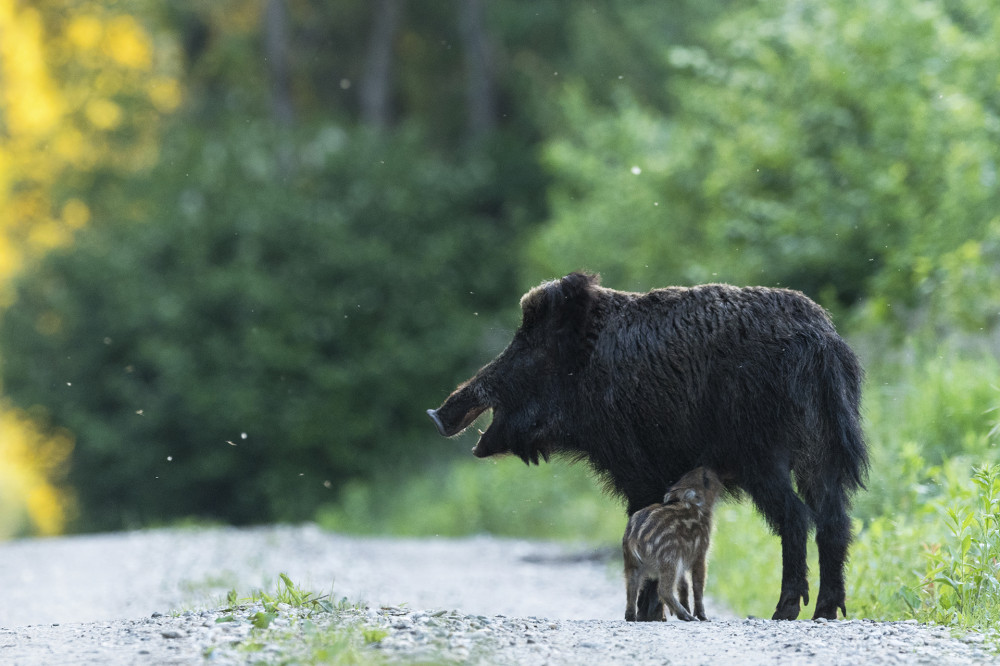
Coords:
pixel 153 597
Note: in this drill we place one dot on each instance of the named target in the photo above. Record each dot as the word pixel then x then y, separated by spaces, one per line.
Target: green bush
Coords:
pixel 814 145
pixel 261 334
pixel 554 501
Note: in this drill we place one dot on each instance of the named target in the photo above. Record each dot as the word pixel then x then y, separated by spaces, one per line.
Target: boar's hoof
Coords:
pixel 788 603
pixel 786 611
pixel 437 421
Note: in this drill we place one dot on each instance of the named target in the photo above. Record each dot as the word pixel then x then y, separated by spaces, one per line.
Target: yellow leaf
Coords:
pixel 32 104
pixel 75 213
pixel 128 43
pixel 103 113
pixel 84 32
pixel 165 94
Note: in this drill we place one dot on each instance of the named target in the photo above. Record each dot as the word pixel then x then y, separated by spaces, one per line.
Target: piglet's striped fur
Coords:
pixel 668 541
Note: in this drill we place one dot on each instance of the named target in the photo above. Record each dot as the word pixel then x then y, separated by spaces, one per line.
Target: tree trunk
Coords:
pixel 277 53
pixel 376 83
pixel 479 70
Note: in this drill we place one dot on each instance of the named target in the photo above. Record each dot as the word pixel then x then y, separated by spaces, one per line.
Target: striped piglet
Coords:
pixel 668 541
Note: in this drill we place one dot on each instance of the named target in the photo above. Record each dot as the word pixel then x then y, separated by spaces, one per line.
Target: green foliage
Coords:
pixel 554 501
pixel 961 585
pixel 313 629
pixel 259 339
pixel 373 635
pixel 744 570
pixel 840 148
pixel 286 592
pixel 923 408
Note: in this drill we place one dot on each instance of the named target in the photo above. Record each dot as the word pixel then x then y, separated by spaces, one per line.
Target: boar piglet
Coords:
pixel 667 542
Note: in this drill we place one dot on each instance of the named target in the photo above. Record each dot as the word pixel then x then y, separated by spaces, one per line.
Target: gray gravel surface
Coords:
pixel 156 597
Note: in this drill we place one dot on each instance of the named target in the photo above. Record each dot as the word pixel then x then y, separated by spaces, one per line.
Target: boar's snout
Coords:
pixel 458 412
pixel 437 421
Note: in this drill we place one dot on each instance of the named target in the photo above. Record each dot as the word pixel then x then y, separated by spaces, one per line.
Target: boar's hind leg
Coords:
pixel 650 609
pixel 789 518
pixel 833 536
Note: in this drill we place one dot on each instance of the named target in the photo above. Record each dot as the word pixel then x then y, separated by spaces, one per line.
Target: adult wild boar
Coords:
pixel 752 382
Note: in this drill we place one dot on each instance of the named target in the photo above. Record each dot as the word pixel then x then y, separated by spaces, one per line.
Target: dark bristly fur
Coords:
pixel 664 543
pixel 752 382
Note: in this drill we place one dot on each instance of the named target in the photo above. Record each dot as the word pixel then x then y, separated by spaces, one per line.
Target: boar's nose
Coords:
pixel 437 421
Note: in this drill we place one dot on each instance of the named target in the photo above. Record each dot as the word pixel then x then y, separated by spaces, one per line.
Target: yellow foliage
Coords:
pixel 85 31
pixel 75 213
pixel 165 94
pixel 71 147
pixel 31 499
pixel 128 43
pixel 82 87
pixel 31 105
pixel 103 113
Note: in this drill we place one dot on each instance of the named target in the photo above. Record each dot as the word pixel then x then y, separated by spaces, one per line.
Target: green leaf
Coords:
pixel 262 620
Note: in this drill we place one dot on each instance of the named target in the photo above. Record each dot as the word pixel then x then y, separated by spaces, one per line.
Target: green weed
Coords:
pixel 317 630
pixel 285 592
pixel 961 586
pixel 373 635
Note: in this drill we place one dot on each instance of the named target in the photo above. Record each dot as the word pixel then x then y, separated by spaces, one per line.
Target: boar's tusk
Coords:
pixel 437 421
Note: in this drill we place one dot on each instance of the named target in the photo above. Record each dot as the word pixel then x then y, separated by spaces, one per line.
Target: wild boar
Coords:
pixel 752 382
pixel 667 542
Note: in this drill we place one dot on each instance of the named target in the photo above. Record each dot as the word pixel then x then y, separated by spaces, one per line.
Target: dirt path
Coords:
pixel 143 598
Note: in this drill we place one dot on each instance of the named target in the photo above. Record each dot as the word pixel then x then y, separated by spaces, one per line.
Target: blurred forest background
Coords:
pixel 244 244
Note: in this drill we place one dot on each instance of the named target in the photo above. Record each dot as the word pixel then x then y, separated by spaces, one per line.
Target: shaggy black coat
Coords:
pixel 752 382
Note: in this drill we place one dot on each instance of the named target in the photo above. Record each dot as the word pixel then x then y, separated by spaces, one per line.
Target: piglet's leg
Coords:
pixel 682 592
pixel 669 580
pixel 698 573
pixel 631 592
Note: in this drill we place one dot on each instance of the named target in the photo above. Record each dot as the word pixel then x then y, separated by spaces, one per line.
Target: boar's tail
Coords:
pixel 841 380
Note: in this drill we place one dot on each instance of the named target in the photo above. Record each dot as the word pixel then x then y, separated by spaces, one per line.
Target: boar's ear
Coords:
pixel 563 309
pixel 563 301
pixel 573 313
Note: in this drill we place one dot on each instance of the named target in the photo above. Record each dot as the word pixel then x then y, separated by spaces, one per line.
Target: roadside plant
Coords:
pixel 962 583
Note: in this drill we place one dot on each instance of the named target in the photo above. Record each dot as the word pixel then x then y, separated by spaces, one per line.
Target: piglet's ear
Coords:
pixel 691 497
